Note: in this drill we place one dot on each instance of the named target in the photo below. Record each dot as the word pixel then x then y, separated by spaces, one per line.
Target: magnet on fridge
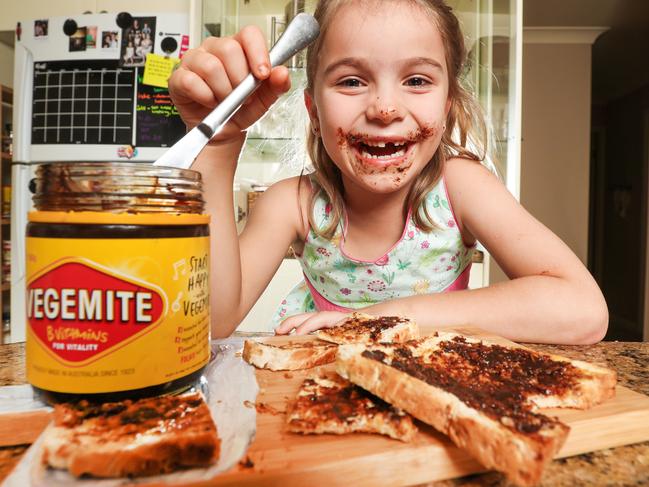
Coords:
pixel 69 27
pixel 124 20
pixel 19 30
pixel 169 45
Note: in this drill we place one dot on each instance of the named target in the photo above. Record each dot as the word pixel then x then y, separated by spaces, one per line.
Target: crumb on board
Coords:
pixel 263 408
pixel 288 375
pixel 248 404
pixel 247 463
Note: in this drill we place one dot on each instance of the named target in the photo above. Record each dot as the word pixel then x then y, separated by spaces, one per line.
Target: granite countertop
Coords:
pixel 622 466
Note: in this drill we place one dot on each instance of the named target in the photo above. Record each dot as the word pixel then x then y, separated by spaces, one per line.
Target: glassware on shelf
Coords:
pixel 279 137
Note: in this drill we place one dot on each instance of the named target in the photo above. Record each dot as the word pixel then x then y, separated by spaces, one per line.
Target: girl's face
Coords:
pixel 380 95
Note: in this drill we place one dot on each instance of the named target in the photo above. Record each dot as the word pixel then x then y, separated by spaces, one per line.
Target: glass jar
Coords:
pixel 117 281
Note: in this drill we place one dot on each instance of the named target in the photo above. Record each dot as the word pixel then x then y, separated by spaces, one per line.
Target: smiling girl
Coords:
pixel 388 219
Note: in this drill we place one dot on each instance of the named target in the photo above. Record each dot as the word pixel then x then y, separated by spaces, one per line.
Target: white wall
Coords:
pixel 555 164
pixel 555 151
pixel 6 65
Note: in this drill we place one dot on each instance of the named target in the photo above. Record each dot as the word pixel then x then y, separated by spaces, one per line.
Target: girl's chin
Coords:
pixel 382 182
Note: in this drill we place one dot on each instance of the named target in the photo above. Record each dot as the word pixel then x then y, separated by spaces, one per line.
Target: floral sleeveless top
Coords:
pixel 419 263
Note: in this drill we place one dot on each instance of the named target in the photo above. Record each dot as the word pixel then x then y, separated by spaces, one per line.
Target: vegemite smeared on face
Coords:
pixel 117 260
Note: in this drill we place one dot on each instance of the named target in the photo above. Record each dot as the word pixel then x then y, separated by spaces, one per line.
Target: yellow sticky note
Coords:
pixel 157 70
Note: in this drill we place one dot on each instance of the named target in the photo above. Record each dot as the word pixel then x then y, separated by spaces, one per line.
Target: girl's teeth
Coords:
pixel 382 144
pixel 400 153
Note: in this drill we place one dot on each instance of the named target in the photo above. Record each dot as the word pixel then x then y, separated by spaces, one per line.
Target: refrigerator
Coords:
pixel 81 94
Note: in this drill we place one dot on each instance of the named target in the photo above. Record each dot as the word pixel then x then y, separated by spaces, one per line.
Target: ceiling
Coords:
pixel 618 54
pixel 596 13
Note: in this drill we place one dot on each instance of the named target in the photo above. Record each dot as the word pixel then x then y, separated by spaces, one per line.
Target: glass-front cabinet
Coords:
pixel 275 145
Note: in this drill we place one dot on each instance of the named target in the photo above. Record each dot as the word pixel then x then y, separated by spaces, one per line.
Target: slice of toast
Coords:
pixel 362 328
pixel 482 395
pixel 131 438
pixel 334 405
pixel 289 356
pixel 589 385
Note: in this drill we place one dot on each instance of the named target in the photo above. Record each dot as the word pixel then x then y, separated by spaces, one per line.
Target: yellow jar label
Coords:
pixel 111 315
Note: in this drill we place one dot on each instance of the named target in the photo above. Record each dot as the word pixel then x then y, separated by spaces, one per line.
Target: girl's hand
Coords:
pixel 208 73
pixel 307 322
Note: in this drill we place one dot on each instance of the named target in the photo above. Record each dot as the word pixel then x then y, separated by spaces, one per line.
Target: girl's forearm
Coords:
pixel 217 164
pixel 536 309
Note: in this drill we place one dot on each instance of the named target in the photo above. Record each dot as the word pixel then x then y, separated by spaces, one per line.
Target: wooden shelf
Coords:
pixel 6 109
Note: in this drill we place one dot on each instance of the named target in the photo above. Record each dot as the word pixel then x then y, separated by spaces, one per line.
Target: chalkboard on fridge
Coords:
pixel 158 123
pixel 82 102
pixel 92 102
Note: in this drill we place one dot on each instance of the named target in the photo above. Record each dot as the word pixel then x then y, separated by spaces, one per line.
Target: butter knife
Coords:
pixel 298 34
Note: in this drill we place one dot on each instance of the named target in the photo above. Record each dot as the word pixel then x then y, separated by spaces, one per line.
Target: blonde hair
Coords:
pixel 465 134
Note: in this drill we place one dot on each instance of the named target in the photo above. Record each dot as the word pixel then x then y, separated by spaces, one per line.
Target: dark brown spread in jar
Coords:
pixel 118 281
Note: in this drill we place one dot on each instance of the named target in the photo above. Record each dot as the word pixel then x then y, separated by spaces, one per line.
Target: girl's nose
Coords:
pixel 384 110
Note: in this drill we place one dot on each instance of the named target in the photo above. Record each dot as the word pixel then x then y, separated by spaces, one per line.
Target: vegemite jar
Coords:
pixel 117 263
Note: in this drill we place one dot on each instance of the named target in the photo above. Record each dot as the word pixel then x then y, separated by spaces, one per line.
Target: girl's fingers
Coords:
pixel 207 75
pixel 292 322
pixel 267 94
pixel 253 43
pixel 187 87
pixel 231 55
pixel 307 322
pixel 210 69
pixel 324 319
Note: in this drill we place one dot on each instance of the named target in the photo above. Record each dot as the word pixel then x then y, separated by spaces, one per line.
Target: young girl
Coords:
pixel 398 198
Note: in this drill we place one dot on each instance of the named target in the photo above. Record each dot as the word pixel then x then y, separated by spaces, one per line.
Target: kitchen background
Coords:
pixel 565 86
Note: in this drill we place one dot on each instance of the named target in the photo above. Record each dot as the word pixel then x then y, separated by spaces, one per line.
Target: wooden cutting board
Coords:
pixel 281 458
pixel 277 457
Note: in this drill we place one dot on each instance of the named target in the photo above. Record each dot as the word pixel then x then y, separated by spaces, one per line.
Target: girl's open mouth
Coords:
pixel 381 152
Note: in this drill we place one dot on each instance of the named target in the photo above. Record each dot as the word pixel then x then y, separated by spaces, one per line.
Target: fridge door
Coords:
pixel 21 204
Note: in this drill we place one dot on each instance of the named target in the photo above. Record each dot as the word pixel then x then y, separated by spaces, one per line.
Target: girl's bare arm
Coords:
pixel 206 76
pixel 550 297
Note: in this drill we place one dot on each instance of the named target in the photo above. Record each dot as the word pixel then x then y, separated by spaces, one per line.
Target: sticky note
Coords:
pixel 157 70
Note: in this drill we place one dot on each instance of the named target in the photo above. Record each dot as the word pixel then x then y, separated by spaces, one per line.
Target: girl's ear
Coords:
pixel 310 107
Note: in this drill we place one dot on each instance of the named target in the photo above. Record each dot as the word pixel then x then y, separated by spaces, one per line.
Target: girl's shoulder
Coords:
pixel 292 197
pixel 462 175
pixel 466 187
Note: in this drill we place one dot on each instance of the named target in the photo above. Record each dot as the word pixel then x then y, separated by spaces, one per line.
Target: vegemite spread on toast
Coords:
pixel 493 379
pixel 339 400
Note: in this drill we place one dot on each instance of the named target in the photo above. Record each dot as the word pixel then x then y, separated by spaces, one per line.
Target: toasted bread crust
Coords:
pixel 291 356
pixel 363 328
pixel 132 438
pixel 495 443
pixel 334 405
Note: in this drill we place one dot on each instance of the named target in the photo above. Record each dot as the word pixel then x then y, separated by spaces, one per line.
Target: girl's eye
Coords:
pixel 417 81
pixel 350 83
